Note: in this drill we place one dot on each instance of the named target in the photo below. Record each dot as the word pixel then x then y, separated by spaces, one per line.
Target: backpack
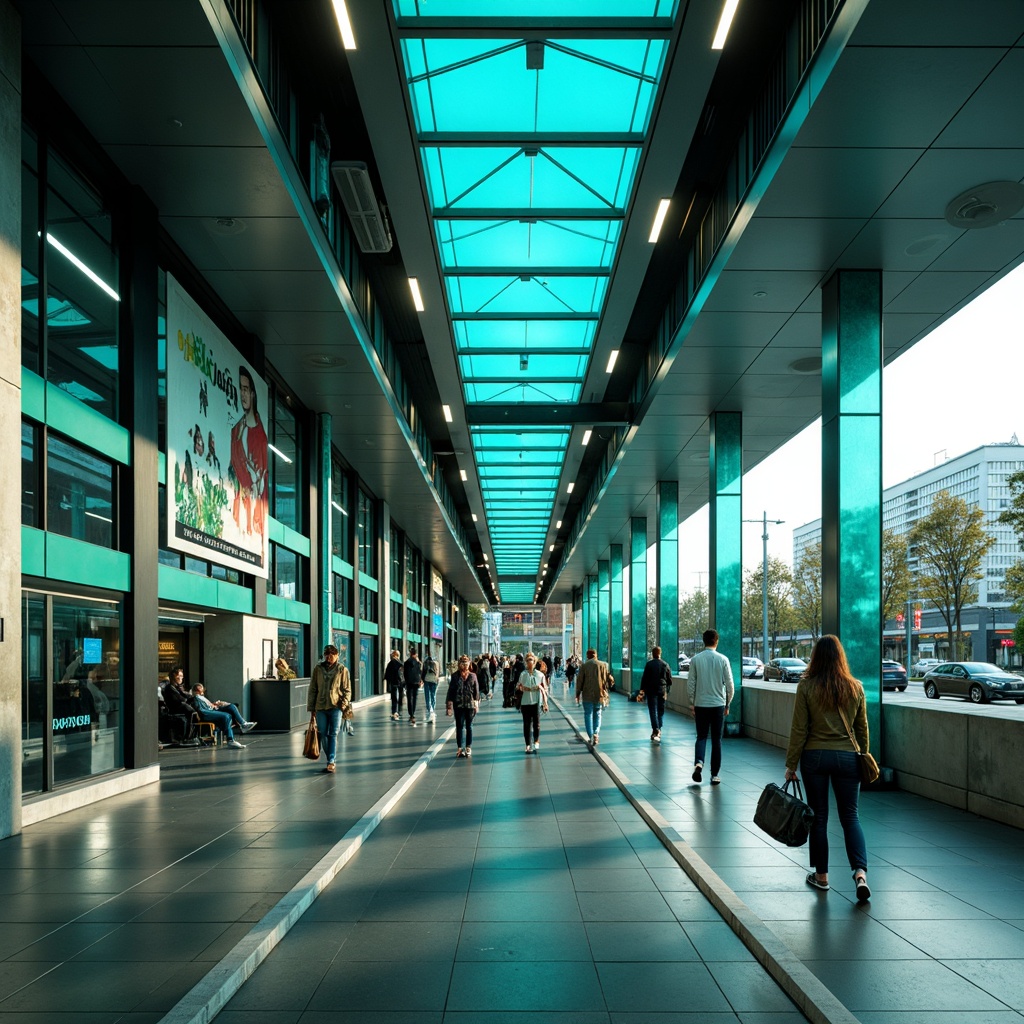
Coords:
pixel 429 671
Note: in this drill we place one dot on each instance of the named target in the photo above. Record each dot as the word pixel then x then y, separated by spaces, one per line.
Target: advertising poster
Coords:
pixel 216 443
pixel 437 611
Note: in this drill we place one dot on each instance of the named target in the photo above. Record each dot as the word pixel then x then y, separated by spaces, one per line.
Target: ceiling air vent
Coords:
pixel 369 221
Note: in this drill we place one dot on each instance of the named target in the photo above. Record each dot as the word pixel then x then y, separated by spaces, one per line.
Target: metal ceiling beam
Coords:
pixel 504 271
pixel 525 316
pixel 528 214
pixel 506 414
pixel 530 140
pixel 550 28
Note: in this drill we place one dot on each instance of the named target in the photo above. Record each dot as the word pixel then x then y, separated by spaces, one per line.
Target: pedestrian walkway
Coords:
pixel 506 887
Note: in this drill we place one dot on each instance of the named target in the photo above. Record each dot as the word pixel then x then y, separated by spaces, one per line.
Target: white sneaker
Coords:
pixel 529 749
pixel 412 722
pixel 432 717
pixel 236 744
pixel 394 717
pixel 536 744
pixel 248 726
pixel 350 729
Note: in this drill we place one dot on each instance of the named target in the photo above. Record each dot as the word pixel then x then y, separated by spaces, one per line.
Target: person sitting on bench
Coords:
pixel 221 713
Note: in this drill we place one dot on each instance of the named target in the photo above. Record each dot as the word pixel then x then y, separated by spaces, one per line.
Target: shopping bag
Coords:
pixel 311 744
pixel 784 815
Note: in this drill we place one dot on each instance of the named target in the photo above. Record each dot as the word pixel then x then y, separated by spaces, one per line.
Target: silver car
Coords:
pixel 976 681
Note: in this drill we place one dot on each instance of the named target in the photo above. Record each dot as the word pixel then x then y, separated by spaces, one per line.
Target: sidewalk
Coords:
pixel 503 887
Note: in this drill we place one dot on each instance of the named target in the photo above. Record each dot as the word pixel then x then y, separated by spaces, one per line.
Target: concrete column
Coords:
pixel 10 419
pixel 584 615
pixel 604 607
pixel 616 610
pixel 637 595
pixel 323 576
pixel 726 537
pixel 668 571
pixel 851 459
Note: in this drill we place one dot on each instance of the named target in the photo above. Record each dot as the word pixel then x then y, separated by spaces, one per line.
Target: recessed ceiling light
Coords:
pixel 348 38
pixel 586 437
pixel 558 525
pixel 552 548
pixel 659 219
pixel 475 520
pixel 325 361
pixel 447 413
pixel 808 365
pixel 568 489
pixel 462 473
pixel 417 298
pixel 986 205
pixel 760 295
pixel 611 360
pixel 724 24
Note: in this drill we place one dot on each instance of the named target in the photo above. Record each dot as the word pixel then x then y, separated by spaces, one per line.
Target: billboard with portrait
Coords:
pixel 216 443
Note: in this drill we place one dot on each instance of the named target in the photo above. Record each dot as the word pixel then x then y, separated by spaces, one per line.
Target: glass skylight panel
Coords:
pixel 523 366
pixel 483 438
pixel 527 244
pixel 526 294
pixel 515 393
pixel 520 335
pixel 484 85
pixel 530 9
pixel 496 177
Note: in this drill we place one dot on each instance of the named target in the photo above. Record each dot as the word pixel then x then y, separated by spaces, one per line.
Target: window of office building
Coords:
pixel 367 605
pixel 80 493
pixel 341 519
pixel 70 332
pixel 71 690
pixel 395 546
pixel 285 448
pixel 366 527
pixel 284 573
pixel 291 647
pixel 31 478
pixel 342 595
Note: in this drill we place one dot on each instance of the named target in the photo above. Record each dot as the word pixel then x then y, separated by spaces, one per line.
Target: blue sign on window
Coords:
pixel 92 650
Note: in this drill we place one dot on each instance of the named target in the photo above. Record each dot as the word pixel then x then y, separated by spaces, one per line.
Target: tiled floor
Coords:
pixel 507 887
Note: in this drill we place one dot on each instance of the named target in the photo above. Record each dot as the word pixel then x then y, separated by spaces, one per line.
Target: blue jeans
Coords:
pixel 221 719
pixel 656 709
pixel 429 698
pixel 464 721
pixel 840 766
pixel 591 717
pixel 327 724
pixel 709 720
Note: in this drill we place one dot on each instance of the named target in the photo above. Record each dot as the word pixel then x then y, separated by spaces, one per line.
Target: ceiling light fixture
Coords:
pixel 724 24
pixel 552 548
pixel 986 205
pixel 568 489
pixel 280 454
pixel 417 298
pixel 475 520
pixel 88 271
pixel 586 437
pixel 339 508
pixel 611 360
pixel 348 38
pixel 447 413
pixel 558 525
pixel 659 220
pixel 462 473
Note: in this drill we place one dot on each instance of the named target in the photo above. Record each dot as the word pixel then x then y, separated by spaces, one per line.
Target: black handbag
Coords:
pixel 784 815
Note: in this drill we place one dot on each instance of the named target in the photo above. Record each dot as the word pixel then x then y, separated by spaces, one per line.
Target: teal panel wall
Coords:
pixel 637 594
pixel 617 639
pixel 75 561
pixel 668 570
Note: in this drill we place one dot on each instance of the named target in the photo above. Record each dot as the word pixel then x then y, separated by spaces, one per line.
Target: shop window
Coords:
pixel 80 493
pixel 285 449
pixel 367 674
pixel 342 595
pixel 366 525
pixel 396 560
pixel 291 647
pixel 31 478
pixel 284 580
pixel 341 519
pixel 367 605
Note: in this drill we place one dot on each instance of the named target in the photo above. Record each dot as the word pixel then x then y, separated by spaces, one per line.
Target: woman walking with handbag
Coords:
pixel 825 748
pixel 330 692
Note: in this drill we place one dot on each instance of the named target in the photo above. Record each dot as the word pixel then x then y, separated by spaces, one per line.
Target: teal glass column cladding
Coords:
pixel 603 610
pixel 592 600
pixel 668 571
pixel 616 610
pixel 851 459
pixel 726 566
pixel 638 597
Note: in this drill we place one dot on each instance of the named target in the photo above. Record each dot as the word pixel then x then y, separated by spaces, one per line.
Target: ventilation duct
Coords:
pixel 369 221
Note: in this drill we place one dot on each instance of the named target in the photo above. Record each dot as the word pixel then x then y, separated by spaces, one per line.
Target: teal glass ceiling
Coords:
pixel 530 147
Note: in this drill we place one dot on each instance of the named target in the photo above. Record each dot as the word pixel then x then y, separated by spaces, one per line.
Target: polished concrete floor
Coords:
pixel 506 887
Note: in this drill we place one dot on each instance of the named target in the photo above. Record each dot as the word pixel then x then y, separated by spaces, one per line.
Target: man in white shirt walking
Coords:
pixel 710 689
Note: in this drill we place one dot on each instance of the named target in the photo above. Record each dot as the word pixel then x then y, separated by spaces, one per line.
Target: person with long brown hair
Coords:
pixel 820 742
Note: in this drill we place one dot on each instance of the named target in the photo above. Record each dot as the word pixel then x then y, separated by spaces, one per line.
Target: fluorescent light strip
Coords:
pixel 339 508
pixel 447 413
pixel 96 515
pixel 586 437
pixel 417 298
pixel 475 518
pixel 724 23
pixel 462 473
pixel 88 271
pixel 611 360
pixel 348 38
pixel 568 489
pixel 558 525
pixel 280 454
pixel 659 220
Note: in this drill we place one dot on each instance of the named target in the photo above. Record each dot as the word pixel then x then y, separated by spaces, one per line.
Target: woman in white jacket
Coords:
pixel 533 690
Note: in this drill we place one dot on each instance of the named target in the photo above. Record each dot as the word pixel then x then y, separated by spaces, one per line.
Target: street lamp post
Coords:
pixel 764 577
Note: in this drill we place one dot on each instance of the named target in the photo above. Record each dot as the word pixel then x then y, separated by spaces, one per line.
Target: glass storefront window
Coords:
pixel 342 595
pixel 291 647
pixel 396 560
pixel 71 700
pixel 367 605
pixel 367 675
pixel 285 506
pixel 285 578
pixel 81 291
pixel 30 476
pixel 80 493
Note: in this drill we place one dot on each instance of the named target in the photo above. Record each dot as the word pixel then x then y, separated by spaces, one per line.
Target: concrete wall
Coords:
pixel 234 654
pixel 10 419
pixel 967 760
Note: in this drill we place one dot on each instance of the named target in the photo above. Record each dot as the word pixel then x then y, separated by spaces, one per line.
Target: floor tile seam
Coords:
pixel 202 1003
pixel 817 1002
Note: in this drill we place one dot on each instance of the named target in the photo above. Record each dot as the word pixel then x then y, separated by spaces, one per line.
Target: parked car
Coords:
pixel 753 668
pixel 894 676
pixel 924 665
pixel 786 670
pixel 684 662
pixel 976 681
